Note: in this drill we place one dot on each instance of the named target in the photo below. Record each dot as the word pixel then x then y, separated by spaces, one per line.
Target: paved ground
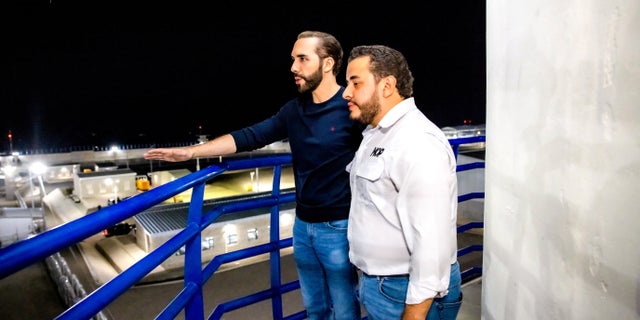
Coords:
pixel 30 294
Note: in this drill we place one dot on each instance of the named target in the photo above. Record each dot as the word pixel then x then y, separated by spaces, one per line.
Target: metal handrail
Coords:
pixel 22 254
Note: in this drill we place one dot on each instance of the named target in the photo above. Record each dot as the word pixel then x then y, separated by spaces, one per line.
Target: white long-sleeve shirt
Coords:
pixel 404 202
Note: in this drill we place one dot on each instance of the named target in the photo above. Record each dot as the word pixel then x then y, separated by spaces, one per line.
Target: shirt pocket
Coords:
pixel 367 173
pixel 371 169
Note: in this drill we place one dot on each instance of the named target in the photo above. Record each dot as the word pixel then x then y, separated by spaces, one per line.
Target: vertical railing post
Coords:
pixel 194 309
pixel 456 149
pixel 274 256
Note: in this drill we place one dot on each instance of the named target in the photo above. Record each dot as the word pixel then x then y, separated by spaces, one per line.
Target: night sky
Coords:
pixel 76 75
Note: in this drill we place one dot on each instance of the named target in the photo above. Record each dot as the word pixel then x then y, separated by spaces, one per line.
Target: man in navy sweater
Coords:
pixel 323 141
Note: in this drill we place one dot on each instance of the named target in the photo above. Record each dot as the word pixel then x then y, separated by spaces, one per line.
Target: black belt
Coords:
pixel 404 275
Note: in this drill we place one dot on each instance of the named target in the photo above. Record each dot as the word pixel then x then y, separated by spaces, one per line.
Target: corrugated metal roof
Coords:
pixel 163 221
pixel 173 217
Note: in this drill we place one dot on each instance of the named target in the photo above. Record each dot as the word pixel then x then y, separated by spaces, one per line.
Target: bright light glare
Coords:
pixel 38 168
pixel 9 170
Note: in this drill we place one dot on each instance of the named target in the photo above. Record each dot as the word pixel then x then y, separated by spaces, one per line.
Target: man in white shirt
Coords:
pixel 402 223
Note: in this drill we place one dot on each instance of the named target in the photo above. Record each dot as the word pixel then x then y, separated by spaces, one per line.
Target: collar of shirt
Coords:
pixel 397 112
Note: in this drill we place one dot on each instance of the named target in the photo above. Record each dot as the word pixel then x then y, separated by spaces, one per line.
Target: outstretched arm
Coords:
pixel 219 146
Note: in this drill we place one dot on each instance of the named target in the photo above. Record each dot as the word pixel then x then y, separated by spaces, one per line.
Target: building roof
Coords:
pixel 115 172
pixel 173 217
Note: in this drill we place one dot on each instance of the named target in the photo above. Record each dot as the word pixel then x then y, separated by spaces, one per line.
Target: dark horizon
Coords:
pixel 78 80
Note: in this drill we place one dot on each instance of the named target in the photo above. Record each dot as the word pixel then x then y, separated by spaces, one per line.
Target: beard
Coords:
pixel 369 109
pixel 311 82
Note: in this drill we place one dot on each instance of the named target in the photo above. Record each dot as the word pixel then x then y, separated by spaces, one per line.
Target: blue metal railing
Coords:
pixel 474 271
pixel 22 254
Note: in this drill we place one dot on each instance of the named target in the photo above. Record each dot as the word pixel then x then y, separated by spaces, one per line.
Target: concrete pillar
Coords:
pixel 563 160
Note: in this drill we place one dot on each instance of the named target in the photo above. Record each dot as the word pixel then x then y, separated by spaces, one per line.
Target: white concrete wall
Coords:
pixel 562 224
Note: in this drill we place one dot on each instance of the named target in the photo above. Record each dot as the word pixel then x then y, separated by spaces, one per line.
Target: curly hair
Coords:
pixel 385 61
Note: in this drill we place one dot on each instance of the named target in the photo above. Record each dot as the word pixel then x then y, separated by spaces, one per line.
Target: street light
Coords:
pixel 114 150
pixel 114 183
pixel 118 153
pixel 115 191
pixel 10 135
pixel 37 168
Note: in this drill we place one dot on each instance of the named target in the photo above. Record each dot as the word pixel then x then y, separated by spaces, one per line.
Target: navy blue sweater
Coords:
pixel 323 141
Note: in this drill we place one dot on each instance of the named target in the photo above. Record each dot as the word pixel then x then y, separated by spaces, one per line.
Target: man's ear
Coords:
pixel 389 86
pixel 328 64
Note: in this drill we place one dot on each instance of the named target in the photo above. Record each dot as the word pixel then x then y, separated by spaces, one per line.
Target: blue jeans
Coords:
pixel 328 280
pixel 384 297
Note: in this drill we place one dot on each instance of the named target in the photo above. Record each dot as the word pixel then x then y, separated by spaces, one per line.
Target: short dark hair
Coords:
pixel 385 61
pixel 328 46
